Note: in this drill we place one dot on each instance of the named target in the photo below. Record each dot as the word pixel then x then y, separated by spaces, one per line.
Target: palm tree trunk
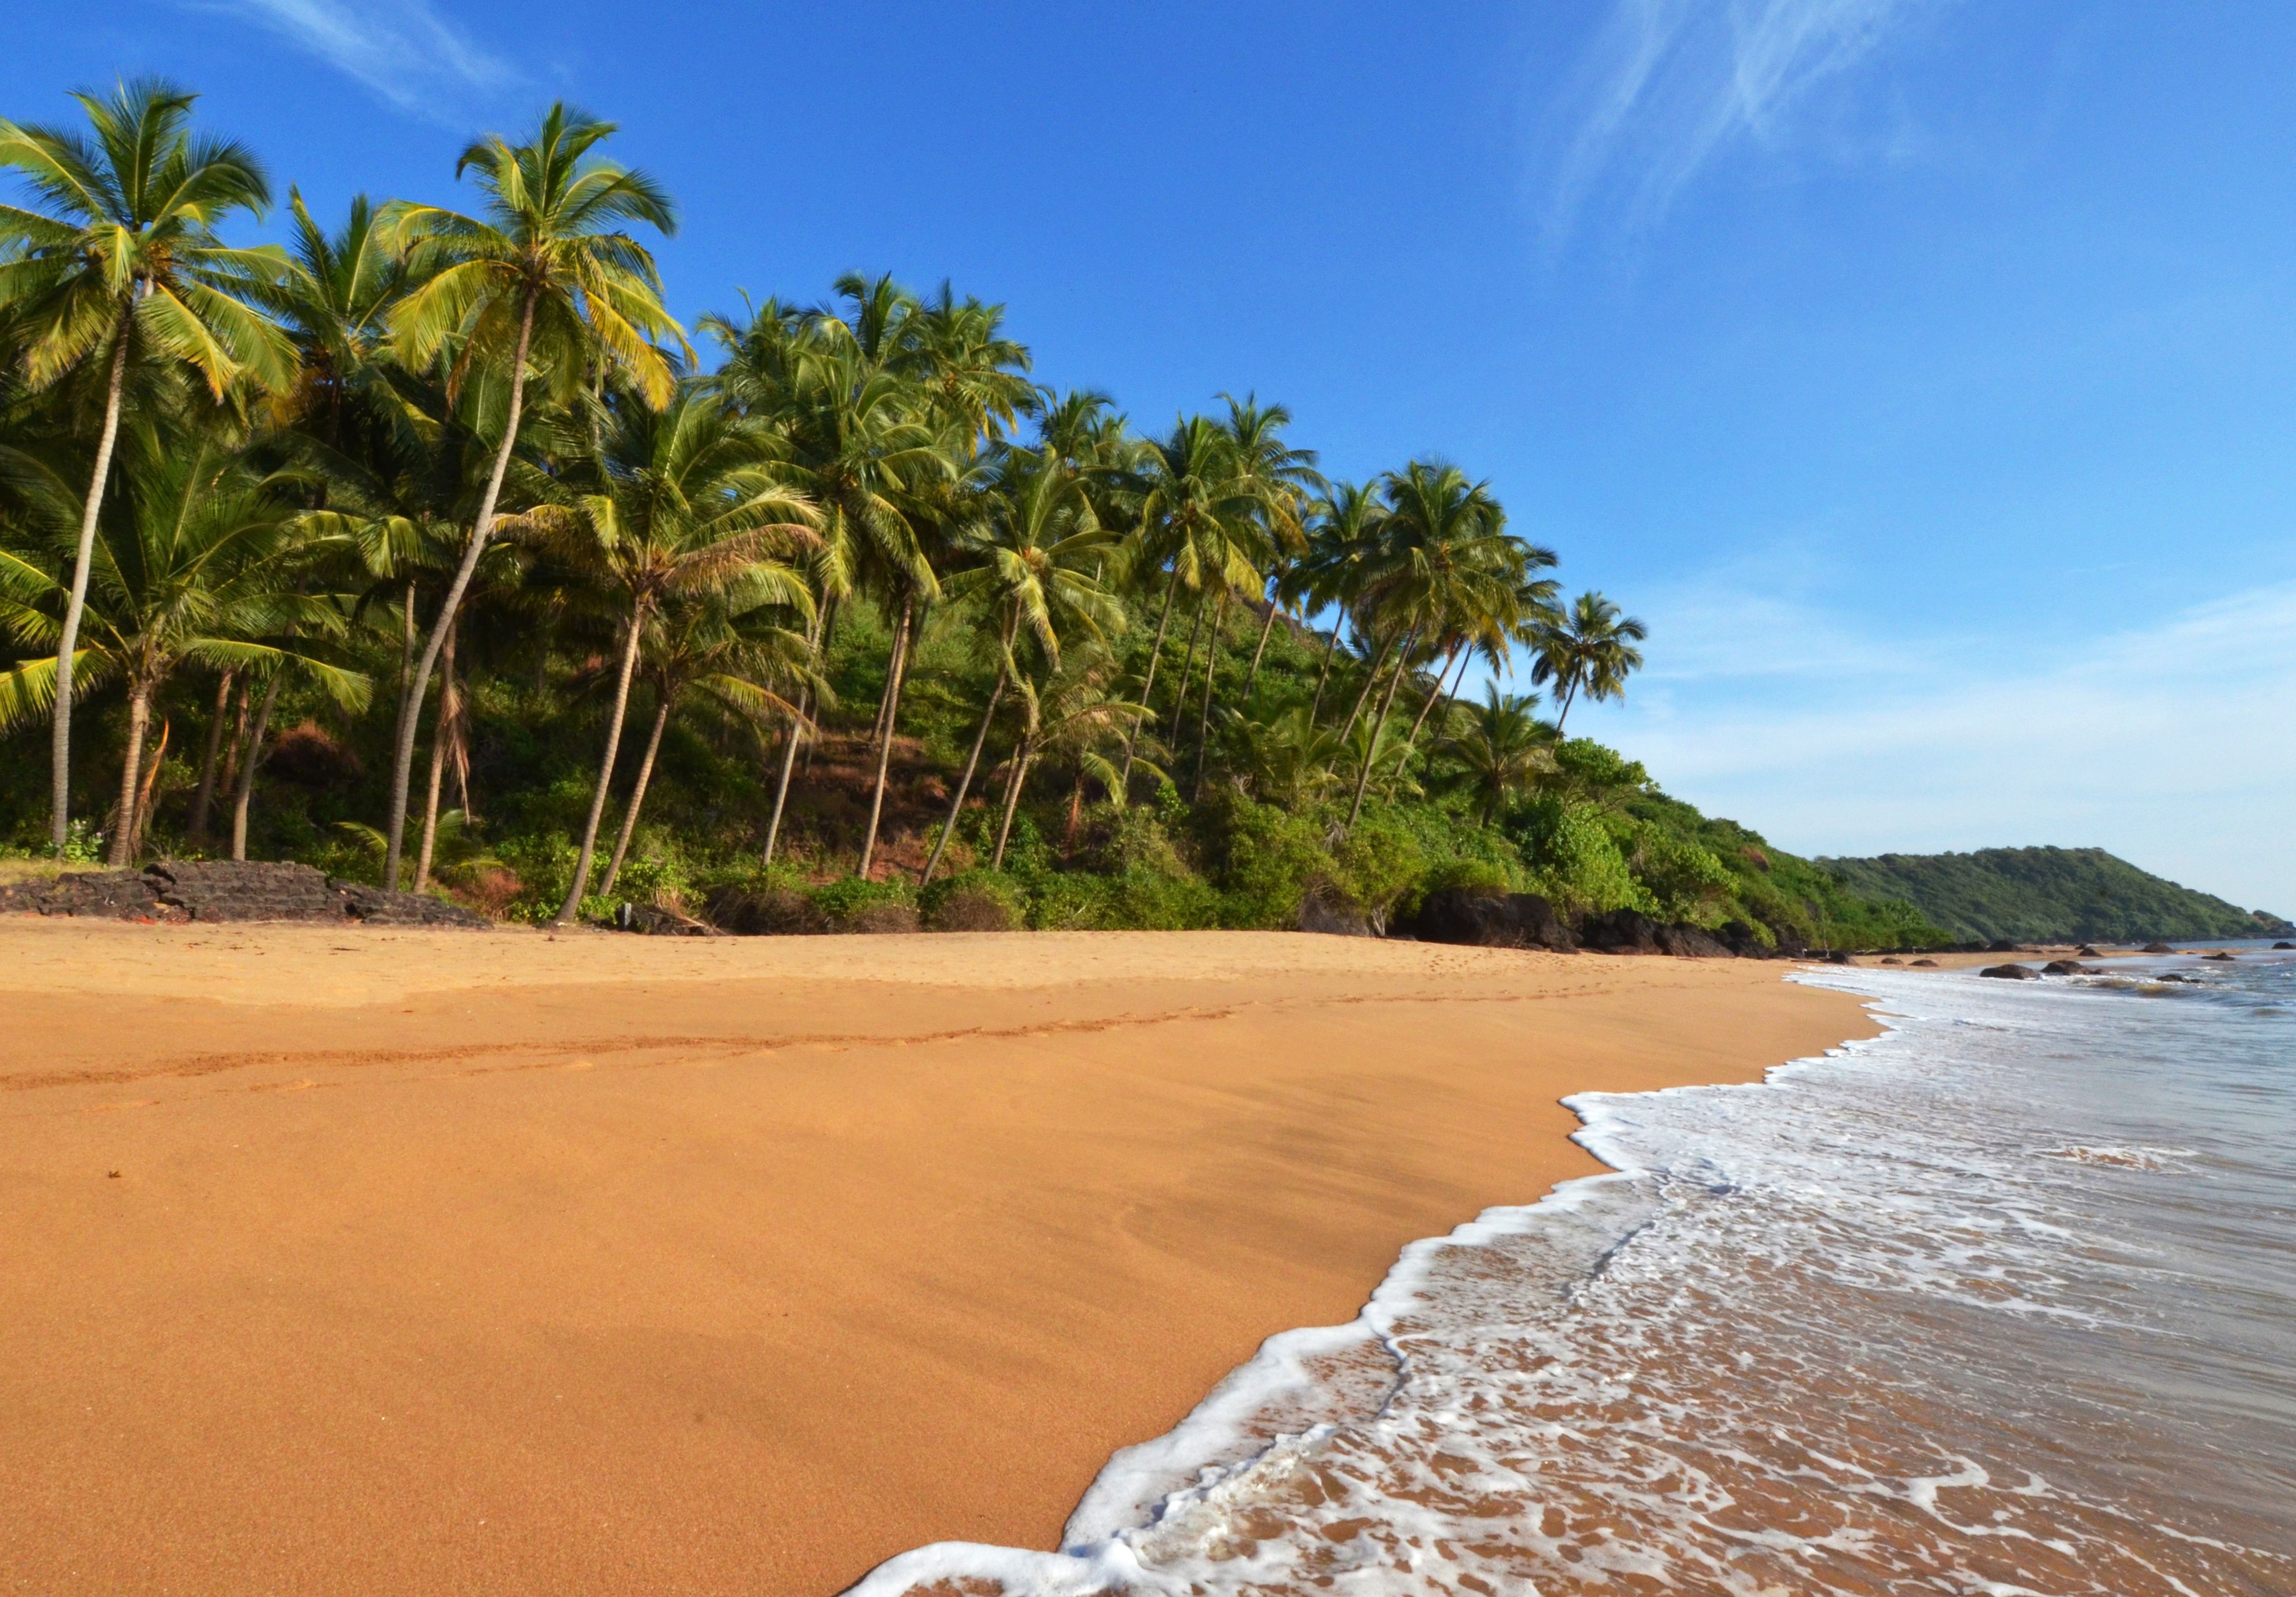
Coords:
pixel 788 764
pixel 248 762
pixel 1252 675
pixel 581 883
pixel 1022 757
pixel 402 762
pixel 1315 711
pixel 59 745
pixel 1204 718
pixel 1148 682
pixel 406 645
pixel 235 750
pixel 637 794
pixel 1187 668
pixel 131 764
pixel 1433 694
pixel 1569 691
pixel 147 793
pixel 885 744
pixel 971 764
pixel 442 730
pixel 1363 695
pixel 893 663
pixel 203 799
pixel 1371 749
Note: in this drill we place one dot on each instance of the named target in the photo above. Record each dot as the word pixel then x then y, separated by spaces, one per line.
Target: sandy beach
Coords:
pixel 393 1262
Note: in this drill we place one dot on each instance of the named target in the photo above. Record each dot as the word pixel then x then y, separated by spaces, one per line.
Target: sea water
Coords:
pixel 2003 1301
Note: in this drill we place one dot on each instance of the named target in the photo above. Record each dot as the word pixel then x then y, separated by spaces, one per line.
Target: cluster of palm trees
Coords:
pixel 224 469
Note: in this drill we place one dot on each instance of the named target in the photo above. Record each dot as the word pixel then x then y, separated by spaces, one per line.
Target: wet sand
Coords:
pixel 343 1261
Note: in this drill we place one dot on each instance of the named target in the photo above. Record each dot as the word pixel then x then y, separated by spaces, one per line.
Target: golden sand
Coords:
pixel 345 1261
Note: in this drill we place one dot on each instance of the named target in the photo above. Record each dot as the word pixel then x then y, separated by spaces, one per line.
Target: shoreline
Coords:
pixel 711 1265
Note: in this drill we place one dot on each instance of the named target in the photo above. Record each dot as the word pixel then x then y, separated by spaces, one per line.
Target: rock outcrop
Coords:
pixel 2158 948
pixel 2066 967
pixel 1487 920
pixel 217 890
pixel 2012 973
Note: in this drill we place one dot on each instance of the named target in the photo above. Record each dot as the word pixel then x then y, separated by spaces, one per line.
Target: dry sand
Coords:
pixel 375 1263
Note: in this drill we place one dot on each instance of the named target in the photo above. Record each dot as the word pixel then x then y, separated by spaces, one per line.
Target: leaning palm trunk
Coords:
pixel 788 764
pixel 443 727
pixel 1363 695
pixel 1204 718
pixel 60 749
pixel 402 762
pixel 203 799
pixel 1022 757
pixel 147 798
pixel 248 762
pixel 885 744
pixel 1379 725
pixel 638 793
pixel 1433 693
pixel 1148 683
pixel 580 888
pixel 1315 711
pixel 1252 675
pixel 1187 671
pixel 131 764
pixel 971 764
pixel 1569 691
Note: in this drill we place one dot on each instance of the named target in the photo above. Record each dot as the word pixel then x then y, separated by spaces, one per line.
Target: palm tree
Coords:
pixel 683 506
pixel 1503 749
pixel 547 281
pixel 198 562
pixel 119 260
pixel 1344 532
pixel 1589 649
pixel 335 299
pixel 1443 555
pixel 1031 551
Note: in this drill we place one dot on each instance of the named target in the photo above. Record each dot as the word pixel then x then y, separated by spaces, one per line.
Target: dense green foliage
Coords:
pixel 462 556
pixel 2040 894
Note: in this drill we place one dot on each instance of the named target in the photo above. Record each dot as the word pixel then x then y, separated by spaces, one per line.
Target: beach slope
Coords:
pixel 367 1261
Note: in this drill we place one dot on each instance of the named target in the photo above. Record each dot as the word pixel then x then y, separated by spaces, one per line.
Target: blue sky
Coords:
pixel 1922 371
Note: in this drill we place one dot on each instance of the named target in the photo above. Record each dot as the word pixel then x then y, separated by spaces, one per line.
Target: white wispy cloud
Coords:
pixel 1669 84
pixel 401 49
pixel 2169 745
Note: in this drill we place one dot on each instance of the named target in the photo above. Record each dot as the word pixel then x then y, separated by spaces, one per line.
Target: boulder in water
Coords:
pixel 2012 973
pixel 2158 948
pixel 2066 967
pixel 2221 956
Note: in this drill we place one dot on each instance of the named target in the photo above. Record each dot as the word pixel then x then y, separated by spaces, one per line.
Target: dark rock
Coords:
pixel 2158 948
pixel 2000 946
pixel 108 895
pixel 1332 916
pixel 2066 967
pixel 1619 932
pixel 1487 920
pixel 1923 964
pixel 2285 945
pixel 1745 942
pixel 2221 956
pixel 245 890
pixel 1891 959
pixel 376 907
pixel 2012 973
pixel 2086 952
pixel 1691 942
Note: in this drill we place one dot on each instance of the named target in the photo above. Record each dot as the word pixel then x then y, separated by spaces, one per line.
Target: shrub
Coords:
pixel 1270 859
pixel 856 904
pixel 1685 881
pixel 1577 864
pixel 978 900
pixel 1379 866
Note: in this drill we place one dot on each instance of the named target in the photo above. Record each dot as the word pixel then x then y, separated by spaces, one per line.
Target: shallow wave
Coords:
pixel 1842 1332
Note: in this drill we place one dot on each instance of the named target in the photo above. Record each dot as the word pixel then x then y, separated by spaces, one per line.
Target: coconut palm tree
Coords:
pixel 1590 650
pixel 116 262
pixel 199 561
pixel 1341 536
pixel 1031 552
pixel 682 504
pixel 548 281
pixel 335 300
pixel 1443 556
pixel 1502 749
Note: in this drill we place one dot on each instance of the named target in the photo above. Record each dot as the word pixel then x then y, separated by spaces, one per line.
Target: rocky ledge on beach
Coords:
pixel 1492 919
pixel 211 890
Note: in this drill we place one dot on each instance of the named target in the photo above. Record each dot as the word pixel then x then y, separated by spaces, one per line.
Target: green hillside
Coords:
pixel 2032 895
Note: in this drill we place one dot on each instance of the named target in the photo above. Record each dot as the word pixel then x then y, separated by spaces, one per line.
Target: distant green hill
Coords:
pixel 2037 894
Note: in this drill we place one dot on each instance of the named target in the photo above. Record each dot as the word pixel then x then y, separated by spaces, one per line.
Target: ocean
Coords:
pixel 2001 1302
